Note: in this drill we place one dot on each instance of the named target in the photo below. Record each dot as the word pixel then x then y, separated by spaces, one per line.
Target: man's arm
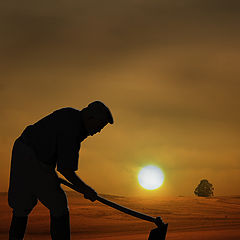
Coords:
pixel 72 177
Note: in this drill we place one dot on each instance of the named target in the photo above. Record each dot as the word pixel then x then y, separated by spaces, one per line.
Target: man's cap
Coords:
pixel 100 107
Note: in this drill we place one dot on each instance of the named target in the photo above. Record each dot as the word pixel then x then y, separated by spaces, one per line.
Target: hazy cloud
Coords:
pixel 167 69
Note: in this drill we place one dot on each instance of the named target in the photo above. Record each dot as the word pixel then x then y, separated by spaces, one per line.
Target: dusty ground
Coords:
pixel 189 218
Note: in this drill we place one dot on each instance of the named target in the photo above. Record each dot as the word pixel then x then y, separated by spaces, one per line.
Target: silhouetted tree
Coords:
pixel 204 189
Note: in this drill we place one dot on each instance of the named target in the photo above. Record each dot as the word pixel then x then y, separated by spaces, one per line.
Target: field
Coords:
pixel 189 218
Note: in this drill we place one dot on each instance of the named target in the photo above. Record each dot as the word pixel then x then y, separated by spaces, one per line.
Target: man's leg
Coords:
pixel 52 196
pixel 20 217
pixel 56 202
pixel 18 227
pixel 20 198
pixel 60 227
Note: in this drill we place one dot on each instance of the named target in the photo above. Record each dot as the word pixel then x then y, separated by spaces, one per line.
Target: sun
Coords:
pixel 150 177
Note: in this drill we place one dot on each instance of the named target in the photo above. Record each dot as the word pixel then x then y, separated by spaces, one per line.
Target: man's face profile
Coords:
pixel 95 124
pixel 95 117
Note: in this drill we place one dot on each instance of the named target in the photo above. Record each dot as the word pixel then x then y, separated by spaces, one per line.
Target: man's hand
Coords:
pixel 72 177
pixel 89 193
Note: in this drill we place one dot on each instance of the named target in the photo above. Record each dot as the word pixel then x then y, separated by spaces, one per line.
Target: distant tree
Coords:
pixel 204 189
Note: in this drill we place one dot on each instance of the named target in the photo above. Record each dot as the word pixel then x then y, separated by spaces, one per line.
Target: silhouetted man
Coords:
pixel 52 142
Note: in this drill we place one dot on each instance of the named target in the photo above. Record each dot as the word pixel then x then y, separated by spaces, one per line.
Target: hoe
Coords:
pixel 158 233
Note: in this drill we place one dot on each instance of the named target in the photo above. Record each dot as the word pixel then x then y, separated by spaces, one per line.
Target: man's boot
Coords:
pixel 60 227
pixel 17 228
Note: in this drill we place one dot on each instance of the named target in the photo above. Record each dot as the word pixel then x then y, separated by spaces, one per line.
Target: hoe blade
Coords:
pixel 158 233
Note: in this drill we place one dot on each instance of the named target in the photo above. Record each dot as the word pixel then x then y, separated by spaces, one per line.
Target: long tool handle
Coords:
pixel 126 210
pixel 113 205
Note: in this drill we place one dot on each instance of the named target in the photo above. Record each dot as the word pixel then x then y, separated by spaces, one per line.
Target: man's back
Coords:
pixel 57 136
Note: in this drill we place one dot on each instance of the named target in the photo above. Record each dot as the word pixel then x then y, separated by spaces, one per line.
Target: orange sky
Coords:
pixel 169 71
